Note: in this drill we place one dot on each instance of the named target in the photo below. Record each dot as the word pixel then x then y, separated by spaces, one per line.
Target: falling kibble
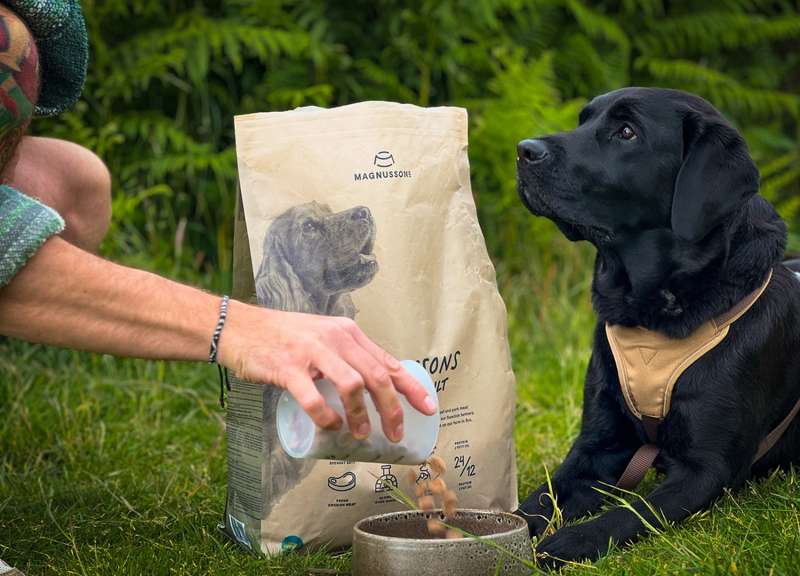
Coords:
pixel 436 527
pixel 426 503
pixel 437 465
pixel 437 486
pixel 411 476
pixel 450 503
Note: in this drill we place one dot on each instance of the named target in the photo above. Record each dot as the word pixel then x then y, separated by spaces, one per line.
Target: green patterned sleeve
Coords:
pixel 25 224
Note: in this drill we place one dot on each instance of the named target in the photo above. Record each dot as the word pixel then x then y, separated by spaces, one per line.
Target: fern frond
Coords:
pixel 721 89
pixel 221 163
pixel 599 26
pixel 648 8
pixel 188 47
pixel 779 164
pixel 709 32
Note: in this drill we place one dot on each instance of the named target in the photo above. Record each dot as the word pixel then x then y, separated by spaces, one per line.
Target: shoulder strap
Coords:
pixel 772 438
pixel 732 315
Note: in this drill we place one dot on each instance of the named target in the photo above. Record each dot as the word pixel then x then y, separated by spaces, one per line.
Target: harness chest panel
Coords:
pixel 649 363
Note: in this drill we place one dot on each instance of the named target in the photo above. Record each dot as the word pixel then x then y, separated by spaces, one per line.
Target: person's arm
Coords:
pixel 67 297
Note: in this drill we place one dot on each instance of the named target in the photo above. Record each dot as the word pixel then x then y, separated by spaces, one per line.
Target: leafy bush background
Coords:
pixel 167 77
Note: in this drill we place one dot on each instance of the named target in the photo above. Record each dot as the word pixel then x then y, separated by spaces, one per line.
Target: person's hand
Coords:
pixel 290 350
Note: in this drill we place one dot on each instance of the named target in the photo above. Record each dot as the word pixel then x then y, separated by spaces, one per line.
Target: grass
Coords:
pixel 111 466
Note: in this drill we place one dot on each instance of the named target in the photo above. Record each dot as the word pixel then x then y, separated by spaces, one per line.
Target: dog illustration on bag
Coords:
pixel 313 258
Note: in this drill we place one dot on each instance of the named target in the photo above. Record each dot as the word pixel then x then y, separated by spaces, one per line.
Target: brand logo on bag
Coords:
pixel 382 159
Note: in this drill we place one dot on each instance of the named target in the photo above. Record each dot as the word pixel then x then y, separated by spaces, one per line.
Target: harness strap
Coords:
pixel 643 458
pixel 772 438
pixel 650 426
pixel 640 463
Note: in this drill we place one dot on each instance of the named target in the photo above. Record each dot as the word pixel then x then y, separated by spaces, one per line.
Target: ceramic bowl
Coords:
pixel 398 544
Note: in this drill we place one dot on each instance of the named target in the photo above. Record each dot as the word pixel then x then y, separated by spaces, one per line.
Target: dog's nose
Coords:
pixel 361 213
pixel 532 150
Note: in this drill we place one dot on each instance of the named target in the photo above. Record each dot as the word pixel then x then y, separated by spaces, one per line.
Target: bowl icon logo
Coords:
pixel 384 159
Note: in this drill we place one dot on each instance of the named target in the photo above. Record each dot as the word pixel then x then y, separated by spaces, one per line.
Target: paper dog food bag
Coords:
pixel 366 211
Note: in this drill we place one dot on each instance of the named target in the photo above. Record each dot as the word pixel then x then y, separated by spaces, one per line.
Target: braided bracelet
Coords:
pixel 223 313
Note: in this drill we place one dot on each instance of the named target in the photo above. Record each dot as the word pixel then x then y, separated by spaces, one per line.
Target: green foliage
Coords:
pixel 166 79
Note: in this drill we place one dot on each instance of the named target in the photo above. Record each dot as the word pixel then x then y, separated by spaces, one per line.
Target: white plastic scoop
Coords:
pixel 301 438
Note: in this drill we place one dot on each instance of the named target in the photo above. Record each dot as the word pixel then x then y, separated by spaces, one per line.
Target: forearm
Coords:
pixel 67 297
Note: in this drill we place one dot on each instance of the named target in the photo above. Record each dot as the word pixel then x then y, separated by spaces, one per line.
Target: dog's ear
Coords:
pixel 717 176
pixel 277 284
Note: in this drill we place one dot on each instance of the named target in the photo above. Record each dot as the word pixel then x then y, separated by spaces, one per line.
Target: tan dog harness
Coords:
pixel 649 364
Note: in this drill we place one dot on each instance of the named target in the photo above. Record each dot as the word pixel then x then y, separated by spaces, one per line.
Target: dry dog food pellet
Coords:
pixel 449 499
pixel 437 465
pixel 437 486
pixel 450 503
pixel 426 503
pixel 436 527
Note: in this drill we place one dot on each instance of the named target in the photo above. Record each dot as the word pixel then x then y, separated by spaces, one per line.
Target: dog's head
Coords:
pixel 640 159
pixel 312 253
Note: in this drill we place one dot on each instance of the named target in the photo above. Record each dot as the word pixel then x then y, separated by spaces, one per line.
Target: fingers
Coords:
pixel 380 386
pixel 350 385
pixel 403 382
pixel 305 392
pixel 415 393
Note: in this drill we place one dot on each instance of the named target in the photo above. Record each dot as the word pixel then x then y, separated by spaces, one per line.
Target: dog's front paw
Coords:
pixel 571 544
pixel 537 509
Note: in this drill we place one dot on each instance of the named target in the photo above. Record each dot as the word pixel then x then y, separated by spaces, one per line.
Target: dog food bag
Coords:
pixel 366 211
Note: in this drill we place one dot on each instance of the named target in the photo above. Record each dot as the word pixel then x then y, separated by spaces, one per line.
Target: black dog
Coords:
pixel 665 189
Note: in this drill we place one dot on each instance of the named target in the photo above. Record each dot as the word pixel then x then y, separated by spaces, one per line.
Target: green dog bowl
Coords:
pixel 398 544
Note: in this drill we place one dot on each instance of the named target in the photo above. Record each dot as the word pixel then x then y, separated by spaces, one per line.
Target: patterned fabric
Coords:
pixel 60 33
pixel 25 224
pixel 19 72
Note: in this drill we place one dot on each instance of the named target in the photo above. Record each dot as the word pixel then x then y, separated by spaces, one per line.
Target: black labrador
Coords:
pixel 665 189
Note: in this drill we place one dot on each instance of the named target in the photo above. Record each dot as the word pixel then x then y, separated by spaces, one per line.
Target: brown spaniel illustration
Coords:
pixel 314 257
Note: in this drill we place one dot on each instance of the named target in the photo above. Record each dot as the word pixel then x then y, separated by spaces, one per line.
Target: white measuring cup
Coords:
pixel 301 438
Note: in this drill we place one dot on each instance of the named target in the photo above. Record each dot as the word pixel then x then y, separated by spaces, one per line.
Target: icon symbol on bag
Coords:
pixel 343 483
pixel 424 473
pixel 387 480
pixel 383 159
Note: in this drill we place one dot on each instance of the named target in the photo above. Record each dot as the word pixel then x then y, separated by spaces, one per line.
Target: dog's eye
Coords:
pixel 626 133
pixel 309 226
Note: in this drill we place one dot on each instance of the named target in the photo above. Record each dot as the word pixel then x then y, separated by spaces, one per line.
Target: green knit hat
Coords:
pixel 60 33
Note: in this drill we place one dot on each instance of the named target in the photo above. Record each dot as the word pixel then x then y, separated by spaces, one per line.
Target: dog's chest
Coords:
pixel 650 363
